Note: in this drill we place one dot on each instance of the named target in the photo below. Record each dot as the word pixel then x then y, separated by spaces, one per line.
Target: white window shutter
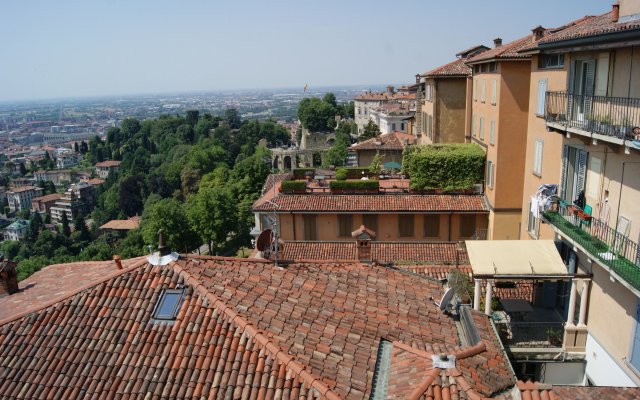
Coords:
pixel 494 92
pixel 492 132
pixel 563 176
pixel 542 90
pixel 582 171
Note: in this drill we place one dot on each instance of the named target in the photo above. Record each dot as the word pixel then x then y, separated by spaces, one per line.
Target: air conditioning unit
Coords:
pixel 477 188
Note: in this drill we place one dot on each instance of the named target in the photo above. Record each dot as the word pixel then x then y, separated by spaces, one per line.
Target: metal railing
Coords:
pixel 609 116
pixel 525 334
pixel 612 248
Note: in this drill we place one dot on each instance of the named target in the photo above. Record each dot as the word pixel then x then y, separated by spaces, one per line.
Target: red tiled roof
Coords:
pixel 454 68
pixel 532 391
pixel 49 197
pixel 388 141
pixel 96 181
pixel 472 49
pixel 591 26
pixel 55 282
pixel 385 252
pixel 505 51
pixel 245 329
pixel 272 179
pixel 122 224
pixel 108 163
pixel 23 189
pixel 379 203
pixel 384 96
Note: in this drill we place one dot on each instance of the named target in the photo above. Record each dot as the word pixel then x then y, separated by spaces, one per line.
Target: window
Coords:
pixel 574 170
pixel 532 223
pixel 467 225
pixel 168 304
pixel 483 91
pixel 483 67
pixel 402 126
pixel 537 157
pixel 473 125
pixel 542 90
pixel 475 89
pixel 494 91
pixel 551 61
pixel 493 67
pixel 309 222
pixel 405 225
pixel 424 122
pixel 370 221
pixel 492 132
pixel 490 172
pixel 431 226
pixel 345 225
pixel 481 128
pixel 634 360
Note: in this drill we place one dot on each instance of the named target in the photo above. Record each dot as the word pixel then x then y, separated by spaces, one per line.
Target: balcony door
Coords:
pixel 574 169
pixel 582 88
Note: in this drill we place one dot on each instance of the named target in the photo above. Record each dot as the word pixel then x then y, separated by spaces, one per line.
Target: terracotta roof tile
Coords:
pixel 122 224
pixel 374 203
pixel 389 141
pixel 108 163
pixel 454 68
pixel 590 26
pixel 531 390
pixel 505 51
pixel 49 197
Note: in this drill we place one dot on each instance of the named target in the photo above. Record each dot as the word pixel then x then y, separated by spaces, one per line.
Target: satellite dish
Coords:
pixel 263 242
pixel 445 300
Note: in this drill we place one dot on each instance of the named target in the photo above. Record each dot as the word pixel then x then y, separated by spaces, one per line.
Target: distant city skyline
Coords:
pixel 121 48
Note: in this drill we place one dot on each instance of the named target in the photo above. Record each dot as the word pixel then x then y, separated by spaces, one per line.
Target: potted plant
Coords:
pixel 554 336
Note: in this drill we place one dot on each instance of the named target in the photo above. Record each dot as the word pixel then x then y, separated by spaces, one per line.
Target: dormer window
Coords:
pixel 168 304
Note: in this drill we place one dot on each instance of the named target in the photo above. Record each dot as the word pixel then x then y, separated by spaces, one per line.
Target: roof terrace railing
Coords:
pixel 613 117
pixel 604 243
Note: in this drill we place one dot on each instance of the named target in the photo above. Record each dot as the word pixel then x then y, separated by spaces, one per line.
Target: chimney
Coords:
pixel 118 261
pixel 8 278
pixel 163 250
pixel 615 11
pixel 538 32
pixel 363 242
pixel 497 42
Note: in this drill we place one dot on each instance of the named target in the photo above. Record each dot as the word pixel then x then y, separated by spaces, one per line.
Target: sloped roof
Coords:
pixel 122 224
pixel 505 51
pixel 46 198
pixel 385 252
pixel 108 163
pixel 591 26
pixel 388 141
pixel 455 68
pixel 245 328
pixel 379 203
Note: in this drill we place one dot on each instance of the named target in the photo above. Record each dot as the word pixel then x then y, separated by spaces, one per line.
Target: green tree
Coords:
pixel 232 117
pixel 169 215
pixel 80 228
pixel 376 164
pixel 131 194
pixel 316 115
pixel 211 214
pixel 23 169
pixel 186 132
pixel 76 149
pixel 192 117
pixel 330 98
pixel 129 127
pixel 35 225
pixel 66 230
pixel 370 131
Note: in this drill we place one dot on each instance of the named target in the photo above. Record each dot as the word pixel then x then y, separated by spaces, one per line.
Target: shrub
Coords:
pixel 300 173
pixel 445 166
pixel 341 174
pixel 357 172
pixel 294 186
pixel 354 186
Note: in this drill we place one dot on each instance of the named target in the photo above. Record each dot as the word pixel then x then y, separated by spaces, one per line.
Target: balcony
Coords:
pixel 611 119
pixel 603 244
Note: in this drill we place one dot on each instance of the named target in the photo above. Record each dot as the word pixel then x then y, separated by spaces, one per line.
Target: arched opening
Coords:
pixel 287 163
pixel 317 159
pixel 276 161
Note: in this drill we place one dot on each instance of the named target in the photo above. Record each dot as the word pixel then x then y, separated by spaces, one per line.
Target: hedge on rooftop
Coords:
pixel 444 166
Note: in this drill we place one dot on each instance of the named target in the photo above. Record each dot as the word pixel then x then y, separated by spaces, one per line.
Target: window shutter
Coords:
pixel 481 128
pixel 483 93
pixel 492 132
pixel 494 92
pixel 475 89
pixel 602 75
pixel 589 86
pixel 563 176
pixel 582 170
pixel 542 90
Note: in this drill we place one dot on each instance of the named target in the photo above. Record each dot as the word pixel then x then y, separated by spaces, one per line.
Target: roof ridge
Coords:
pixel 80 289
pixel 252 331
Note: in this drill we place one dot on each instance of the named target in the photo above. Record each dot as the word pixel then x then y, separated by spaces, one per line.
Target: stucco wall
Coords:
pixel 451 110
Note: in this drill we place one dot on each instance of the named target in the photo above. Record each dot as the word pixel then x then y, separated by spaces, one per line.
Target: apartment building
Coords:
pixel 584 104
pixel 43 204
pixel 500 105
pixel 366 103
pixel 444 108
pixel 20 198
pixel 105 167
pixel 78 200
pixel 392 211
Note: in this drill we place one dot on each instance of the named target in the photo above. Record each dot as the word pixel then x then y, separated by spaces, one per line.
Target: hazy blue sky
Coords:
pixel 106 47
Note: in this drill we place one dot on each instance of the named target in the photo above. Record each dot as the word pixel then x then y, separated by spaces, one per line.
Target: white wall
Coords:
pixel 602 370
pixel 566 373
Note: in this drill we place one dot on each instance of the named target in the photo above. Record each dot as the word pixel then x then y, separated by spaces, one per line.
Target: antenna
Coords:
pixel 445 300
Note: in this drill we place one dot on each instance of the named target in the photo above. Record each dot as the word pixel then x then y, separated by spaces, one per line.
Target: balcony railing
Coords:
pixel 602 242
pixel 613 117
pixel 525 334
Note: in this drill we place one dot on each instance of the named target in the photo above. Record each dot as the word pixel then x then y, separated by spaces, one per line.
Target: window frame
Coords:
pixel 542 64
pixel 483 91
pixel 367 224
pixel 462 225
pixel 305 219
pixel 494 92
pixel 538 151
pixel 343 221
pixel 492 132
pixel 176 308
pixel 408 219
pixel 490 174
pixel 432 221
pixel 481 129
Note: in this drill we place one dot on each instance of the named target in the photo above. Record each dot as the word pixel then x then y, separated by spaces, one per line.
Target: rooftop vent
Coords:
pixel 538 32
pixel 164 255
pixel 497 42
pixel 363 240
pixel 615 11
